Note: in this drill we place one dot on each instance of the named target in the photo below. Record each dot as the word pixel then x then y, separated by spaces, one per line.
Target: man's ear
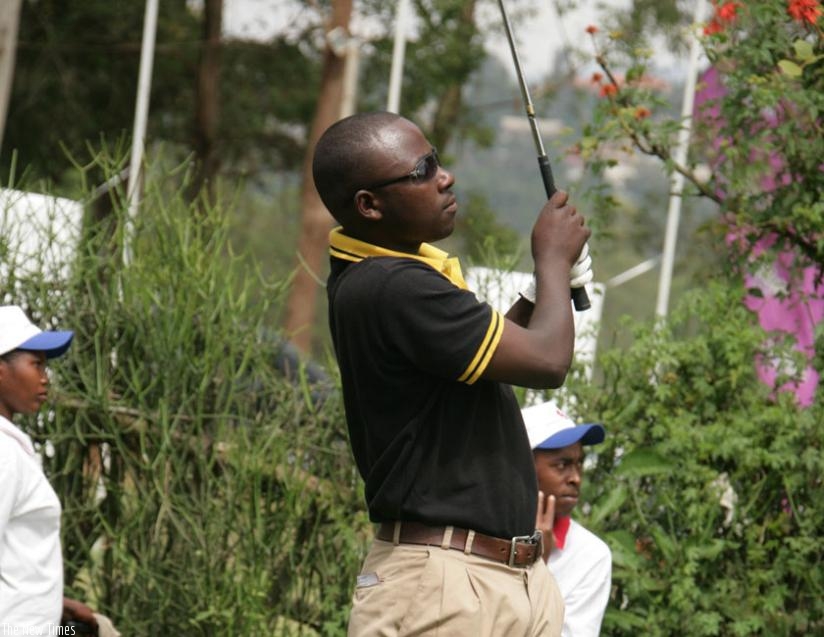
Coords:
pixel 367 205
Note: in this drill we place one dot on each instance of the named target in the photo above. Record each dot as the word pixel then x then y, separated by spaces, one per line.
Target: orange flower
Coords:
pixel 592 29
pixel 641 112
pixel 607 90
pixel 596 78
pixel 804 10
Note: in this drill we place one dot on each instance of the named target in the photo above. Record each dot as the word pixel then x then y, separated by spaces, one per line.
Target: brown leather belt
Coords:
pixel 520 551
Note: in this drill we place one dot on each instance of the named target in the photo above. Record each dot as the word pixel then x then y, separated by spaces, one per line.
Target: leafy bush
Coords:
pixel 204 493
pixel 708 487
pixel 757 126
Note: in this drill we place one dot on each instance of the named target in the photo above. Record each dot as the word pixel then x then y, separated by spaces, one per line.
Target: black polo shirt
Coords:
pixel 430 447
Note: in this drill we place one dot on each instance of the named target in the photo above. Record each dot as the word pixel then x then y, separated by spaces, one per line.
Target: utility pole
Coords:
pixel 393 101
pixel 144 89
pixel 9 23
pixel 677 181
pixel 351 71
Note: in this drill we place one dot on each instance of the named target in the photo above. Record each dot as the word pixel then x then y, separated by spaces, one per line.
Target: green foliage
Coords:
pixel 77 66
pixel 761 135
pixel 203 492
pixel 708 489
pixel 482 235
pixel 267 90
pixel 76 74
pixel 76 71
pixel 446 51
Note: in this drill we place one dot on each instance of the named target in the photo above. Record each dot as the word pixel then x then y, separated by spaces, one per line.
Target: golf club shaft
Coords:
pixel 580 298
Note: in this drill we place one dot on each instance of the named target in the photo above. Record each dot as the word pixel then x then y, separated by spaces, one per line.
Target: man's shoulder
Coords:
pixel 382 265
pixel 377 275
pixel 583 537
pixel 585 556
pixel 377 266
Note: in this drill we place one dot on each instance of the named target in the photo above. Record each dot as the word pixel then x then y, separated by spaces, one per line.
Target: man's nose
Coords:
pixel 574 476
pixel 449 178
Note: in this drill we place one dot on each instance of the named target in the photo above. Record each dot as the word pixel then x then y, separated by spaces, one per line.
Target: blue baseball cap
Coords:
pixel 18 332
pixel 548 427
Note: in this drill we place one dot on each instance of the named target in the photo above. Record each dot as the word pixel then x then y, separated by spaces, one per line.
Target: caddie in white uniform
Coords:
pixel 31 564
pixel 580 561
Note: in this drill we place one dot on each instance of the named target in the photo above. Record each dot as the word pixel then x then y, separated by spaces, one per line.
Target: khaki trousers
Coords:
pixel 407 589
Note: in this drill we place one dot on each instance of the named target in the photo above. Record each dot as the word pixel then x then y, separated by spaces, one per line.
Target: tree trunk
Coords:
pixel 301 305
pixel 449 106
pixel 207 114
pixel 447 112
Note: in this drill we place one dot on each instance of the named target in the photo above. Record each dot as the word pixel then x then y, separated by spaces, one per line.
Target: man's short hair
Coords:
pixel 345 158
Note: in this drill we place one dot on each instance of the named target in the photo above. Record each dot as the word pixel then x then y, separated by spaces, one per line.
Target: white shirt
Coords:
pixel 31 564
pixel 583 571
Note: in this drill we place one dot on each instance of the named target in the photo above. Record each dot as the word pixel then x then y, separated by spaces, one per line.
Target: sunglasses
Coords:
pixel 425 169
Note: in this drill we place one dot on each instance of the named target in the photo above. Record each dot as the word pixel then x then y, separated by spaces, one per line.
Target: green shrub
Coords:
pixel 708 488
pixel 203 492
pixel 206 494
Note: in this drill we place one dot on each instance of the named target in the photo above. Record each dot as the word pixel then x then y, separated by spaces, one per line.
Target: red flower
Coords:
pixel 727 11
pixel 607 90
pixel 713 27
pixel 641 112
pixel 596 78
pixel 592 29
pixel 804 10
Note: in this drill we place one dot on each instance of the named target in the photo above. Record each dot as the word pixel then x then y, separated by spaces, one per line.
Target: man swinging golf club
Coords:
pixel 426 369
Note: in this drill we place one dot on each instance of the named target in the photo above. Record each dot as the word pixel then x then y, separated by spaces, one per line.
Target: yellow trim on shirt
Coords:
pixel 344 247
pixel 485 351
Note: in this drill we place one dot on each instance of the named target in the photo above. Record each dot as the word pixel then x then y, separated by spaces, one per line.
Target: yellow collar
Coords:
pixel 349 249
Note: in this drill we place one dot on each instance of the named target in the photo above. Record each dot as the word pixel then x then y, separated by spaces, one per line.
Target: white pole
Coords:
pixel 393 100
pixel 144 86
pixel 632 273
pixel 677 180
pixel 350 78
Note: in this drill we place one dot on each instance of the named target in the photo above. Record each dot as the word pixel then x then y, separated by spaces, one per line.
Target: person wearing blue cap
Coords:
pixel 31 562
pixel 580 562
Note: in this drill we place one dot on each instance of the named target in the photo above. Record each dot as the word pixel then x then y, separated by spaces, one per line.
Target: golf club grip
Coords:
pixel 580 298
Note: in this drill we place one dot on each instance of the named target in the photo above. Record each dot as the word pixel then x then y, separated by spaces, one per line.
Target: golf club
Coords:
pixel 579 295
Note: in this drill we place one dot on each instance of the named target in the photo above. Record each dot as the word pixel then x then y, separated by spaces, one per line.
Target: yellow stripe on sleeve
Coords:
pixel 485 351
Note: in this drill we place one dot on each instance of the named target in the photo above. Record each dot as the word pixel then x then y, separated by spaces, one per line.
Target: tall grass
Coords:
pixel 203 492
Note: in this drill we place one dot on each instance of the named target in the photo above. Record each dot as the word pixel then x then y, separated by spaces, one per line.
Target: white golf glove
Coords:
pixel 579 275
pixel 581 272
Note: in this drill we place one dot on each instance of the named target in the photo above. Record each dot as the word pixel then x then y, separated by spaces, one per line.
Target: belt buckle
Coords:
pixel 535 538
